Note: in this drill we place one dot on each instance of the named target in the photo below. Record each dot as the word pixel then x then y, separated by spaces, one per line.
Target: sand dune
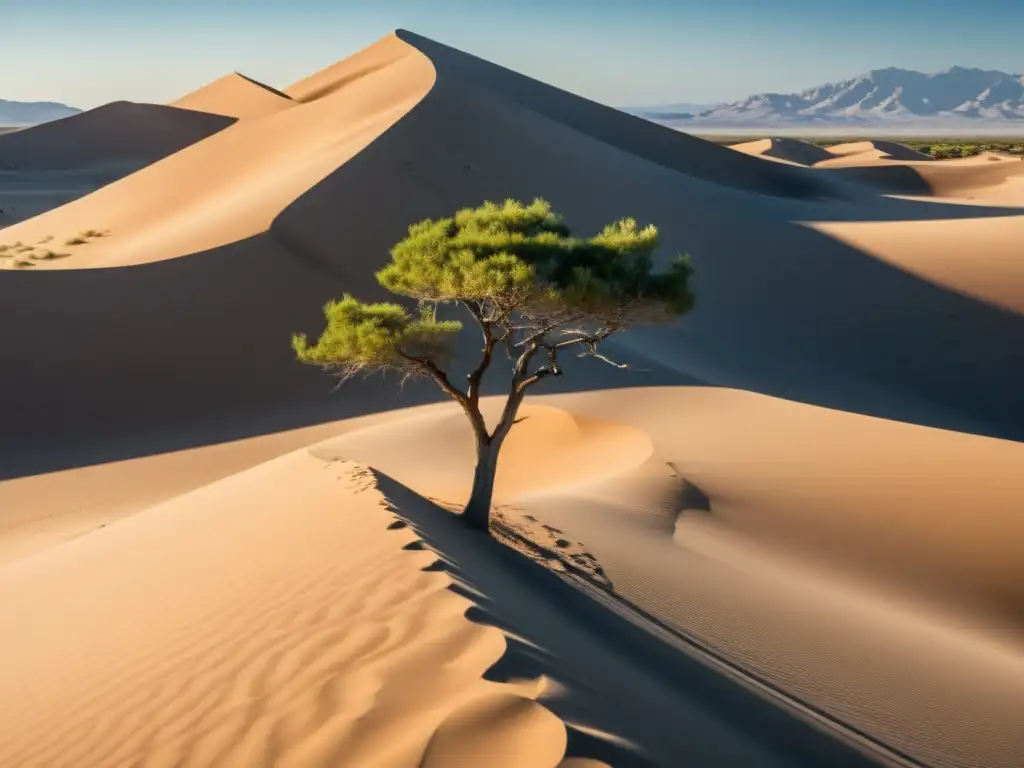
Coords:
pixel 862 569
pixel 788 150
pixel 860 151
pixel 233 185
pixel 121 133
pixel 235 95
pixel 885 504
pixel 199 642
pixel 49 165
pixel 517 138
pixel 359 657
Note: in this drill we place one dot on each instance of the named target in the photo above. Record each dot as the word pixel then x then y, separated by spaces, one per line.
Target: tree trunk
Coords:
pixel 477 514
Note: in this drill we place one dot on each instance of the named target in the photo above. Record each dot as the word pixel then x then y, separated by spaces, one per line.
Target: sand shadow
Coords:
pixel 634 694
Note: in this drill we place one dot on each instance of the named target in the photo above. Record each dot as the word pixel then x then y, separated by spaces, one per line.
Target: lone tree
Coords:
pixel 534 290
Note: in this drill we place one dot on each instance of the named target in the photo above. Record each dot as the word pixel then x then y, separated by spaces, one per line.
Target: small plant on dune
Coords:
pixel 89 233
pixel 45 240
pixel 4 248
pixel 535 292
pixel 46 255
pixel 22 264
pixel 75 241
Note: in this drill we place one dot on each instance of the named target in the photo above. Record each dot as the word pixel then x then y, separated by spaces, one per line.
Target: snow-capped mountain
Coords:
pixel 957 97
pixel 33 112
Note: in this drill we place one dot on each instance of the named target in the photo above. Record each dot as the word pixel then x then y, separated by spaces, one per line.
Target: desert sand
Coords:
pixel 785 150
pixel 235 95
pixel 788 536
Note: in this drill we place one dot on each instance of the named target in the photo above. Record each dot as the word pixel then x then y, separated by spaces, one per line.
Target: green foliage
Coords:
pixel 523 257
pixel 360 336
pixel 527 281
pixel 532 288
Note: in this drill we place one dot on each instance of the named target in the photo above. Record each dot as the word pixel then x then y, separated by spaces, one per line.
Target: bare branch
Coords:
pixel 430 368
pixel 594 353
pixel 475 378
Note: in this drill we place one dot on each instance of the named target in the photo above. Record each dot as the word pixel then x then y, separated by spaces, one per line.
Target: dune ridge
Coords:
pixel 120 133
pixel 360 656
pixel 814 475
pixel 250 171
pixel 859 151
pixel 823 566
pixel 789 150
pixel 235 95
pixel 925 366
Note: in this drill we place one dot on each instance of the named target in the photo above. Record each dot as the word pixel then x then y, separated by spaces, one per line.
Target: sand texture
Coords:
pixel 788 535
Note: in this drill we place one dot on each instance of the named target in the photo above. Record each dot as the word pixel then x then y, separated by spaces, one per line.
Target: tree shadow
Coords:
pixel 632 693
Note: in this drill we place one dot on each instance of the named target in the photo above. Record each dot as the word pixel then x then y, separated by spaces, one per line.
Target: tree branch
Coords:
pixel 431 368
pixel 552 369
pixel 476 377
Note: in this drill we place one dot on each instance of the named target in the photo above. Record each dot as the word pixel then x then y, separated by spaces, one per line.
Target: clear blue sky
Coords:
pixel 621 52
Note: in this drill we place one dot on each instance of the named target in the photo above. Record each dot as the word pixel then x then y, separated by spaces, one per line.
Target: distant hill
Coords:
pixel 959 98
pixel 33 112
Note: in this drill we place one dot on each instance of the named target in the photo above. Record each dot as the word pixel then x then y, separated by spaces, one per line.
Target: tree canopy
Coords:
pixel 527 282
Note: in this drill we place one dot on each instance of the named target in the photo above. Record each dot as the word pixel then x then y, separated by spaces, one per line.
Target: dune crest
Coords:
pixel 359 657
pixel 860 151
pixel 806 551
pixel 233 186
pixel 235 95
pixel 120 134
pixel 788 150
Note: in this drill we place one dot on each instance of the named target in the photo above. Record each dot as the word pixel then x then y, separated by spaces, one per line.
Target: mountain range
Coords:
pixel 13 113
pixel 959 97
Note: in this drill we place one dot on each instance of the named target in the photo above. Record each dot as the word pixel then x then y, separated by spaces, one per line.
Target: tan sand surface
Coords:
pixel 844 580
pixel 786 150
pixel 46 509
pixel 863 565
pixel 232 185
pixel 235 95
pixel 46 166
pixel 282 616
pixel 860 151
pixel 198 640
pixel 980 257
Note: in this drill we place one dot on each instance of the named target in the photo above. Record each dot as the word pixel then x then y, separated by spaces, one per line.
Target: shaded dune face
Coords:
pixel 877 150
pixel 782 308
pixel 120 133
pixel 49 165
pixel 790 150
pixel 855 565
pixel 859 564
